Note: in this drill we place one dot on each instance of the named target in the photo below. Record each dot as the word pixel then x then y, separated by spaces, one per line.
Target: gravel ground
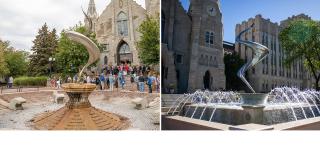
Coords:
pixel 139 119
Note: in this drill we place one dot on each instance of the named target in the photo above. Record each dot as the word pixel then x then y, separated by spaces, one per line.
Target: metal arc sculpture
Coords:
pixel 259 53
pixel 92 48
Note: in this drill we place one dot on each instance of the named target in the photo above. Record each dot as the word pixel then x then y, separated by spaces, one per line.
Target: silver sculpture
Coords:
pixel 94 52
pixel 260 52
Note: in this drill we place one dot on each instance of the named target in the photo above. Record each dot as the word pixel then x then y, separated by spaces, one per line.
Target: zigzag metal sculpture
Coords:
pixel 94 52
pixel 260 52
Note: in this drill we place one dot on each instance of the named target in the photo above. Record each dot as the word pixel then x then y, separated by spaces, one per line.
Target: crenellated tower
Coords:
pixel 206 58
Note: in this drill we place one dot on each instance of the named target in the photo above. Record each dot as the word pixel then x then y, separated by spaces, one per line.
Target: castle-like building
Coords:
pixel 192 46
pixel 116 29
pixel 271 72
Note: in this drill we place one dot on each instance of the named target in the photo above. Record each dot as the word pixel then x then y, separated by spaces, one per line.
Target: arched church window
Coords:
pixel 201 60
pixel 215 62
pixel 122 24
pixel 206 60
pixel 124 49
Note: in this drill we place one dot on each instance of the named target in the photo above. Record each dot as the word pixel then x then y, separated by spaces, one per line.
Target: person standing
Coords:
pixel 111 81
pixel 150 81
pixel 102 81
pixel 10 82
pixel 59 83
pixel 141 80
pixel 106 81
pixel 136 79
pixel 88 79
pixel 158 83
pixel 121 79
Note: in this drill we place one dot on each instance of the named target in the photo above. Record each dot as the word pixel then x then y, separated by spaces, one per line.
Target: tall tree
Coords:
pixel 72 56
pixel 3 65
pixel 44 47
pixel 149 45
pixel 17 64
pixel 301 40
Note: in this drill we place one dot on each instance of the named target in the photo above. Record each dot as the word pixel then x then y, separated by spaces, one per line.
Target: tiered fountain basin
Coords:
pixel 243 111
pixel 79 114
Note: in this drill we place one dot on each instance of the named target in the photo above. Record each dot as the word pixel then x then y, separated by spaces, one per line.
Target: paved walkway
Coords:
pixel 140 119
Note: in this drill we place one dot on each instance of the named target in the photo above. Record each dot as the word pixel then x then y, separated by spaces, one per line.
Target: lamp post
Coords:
pixel 51 60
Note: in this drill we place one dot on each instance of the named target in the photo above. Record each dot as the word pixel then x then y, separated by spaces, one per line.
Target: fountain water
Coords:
pixel 283 104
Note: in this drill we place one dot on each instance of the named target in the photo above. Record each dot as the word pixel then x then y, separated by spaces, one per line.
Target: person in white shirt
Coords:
pixel 88 79
pixel 10 82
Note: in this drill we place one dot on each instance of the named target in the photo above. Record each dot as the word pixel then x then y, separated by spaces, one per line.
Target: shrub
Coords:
pixel 30 81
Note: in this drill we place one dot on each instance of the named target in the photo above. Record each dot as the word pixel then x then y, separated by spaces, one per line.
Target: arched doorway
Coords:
pixel 124 53
pixel 105 60
pixel 206 80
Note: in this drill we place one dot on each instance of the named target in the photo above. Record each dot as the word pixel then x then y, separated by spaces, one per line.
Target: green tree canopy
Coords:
pixel 17 64
pixel 13 62
pixel 301 40
pixel 72 56
pixel 149 45
pixel 44 47
pixel 3 65
pixel 233 63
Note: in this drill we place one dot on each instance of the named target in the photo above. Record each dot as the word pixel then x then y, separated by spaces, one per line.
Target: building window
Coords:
pixel 124 49
pixel 122 24
pixel 179 59
pixel 209 39
pixel 105 47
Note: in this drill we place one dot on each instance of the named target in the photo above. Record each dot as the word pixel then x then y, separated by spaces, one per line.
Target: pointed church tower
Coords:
pixel 153 7
pixel 91 16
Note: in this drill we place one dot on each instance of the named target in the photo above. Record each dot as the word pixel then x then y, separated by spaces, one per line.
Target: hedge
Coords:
pixel 30 81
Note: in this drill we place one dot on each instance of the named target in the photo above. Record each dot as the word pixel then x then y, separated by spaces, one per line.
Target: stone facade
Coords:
pixel 271 72
pixel 116 29
pixel 192 48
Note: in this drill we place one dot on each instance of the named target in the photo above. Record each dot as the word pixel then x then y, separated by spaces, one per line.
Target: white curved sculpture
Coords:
pixel 260 52
pixel 92 48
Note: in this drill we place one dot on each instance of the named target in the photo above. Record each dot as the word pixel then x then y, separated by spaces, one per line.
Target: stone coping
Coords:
pixel 251 127
pixel 305 124
pixel 297 124
pixel 213 125
pixel 77 87
pixel 237 106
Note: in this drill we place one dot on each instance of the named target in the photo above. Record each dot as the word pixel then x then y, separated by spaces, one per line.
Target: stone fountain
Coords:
pixel 78 113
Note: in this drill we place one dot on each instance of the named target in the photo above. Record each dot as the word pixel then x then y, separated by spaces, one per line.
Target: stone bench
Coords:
pixel 58 97
pixel 16 103
pixel 140 103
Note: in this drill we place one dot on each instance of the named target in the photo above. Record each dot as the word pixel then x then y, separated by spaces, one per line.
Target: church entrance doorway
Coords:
pixel 124 54
pixel 206 80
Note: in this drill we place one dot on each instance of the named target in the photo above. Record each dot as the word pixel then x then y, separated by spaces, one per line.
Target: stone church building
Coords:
pixel 192 46
pixel 116 29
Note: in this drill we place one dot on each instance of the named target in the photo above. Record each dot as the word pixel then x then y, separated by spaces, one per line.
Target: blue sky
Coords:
pixel 236 11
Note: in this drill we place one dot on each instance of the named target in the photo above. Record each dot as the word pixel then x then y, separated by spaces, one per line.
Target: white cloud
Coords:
pixel 21 19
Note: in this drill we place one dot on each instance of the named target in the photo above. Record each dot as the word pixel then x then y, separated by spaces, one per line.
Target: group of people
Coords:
pixel 118 76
